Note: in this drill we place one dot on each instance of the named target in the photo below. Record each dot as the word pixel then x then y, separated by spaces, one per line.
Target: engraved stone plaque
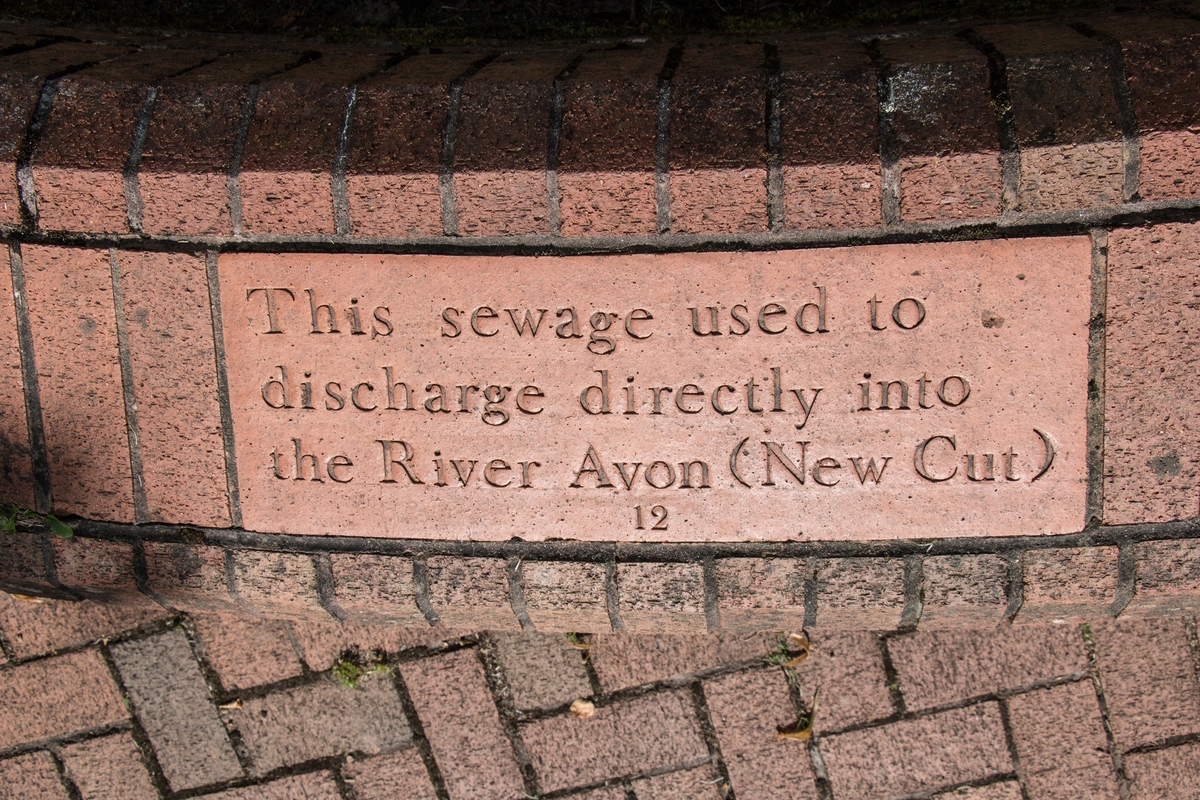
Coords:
pixel 896 391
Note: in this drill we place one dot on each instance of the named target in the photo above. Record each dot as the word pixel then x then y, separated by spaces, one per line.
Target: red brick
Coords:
pixel 761 593
pixel 471 592
pixel 642 734
pixel 460 720
pixel 960 591
pixel 188 576
pixel 80 156
pixel 964 744
pixel 859 593
pixel 701 783
pixel 542 671
pixel 1149 679
pixel 190 144
pixel 1060 743
pixel 23 565
pixel 172 702
pixel 246 652
pixel 32 775
pixel 606 154
pixel 846 669
pixel 58 696
pixel 939 667
pixel 566 596
pixel 16 468
pixel 1168 578
pixel 313 786
pixel 399 774
pixel 98 569
pixel 945 129
pixel 1152 345
pixel 396 146
pixel 278 584
pixel 170 334
pixel 747 710
pixel 1168 774
pixel 34 627
pixel 70 298
pixel 373 588
pixel 1068 583
pixel 109 768
pixel 1005 790
pixel 322 642
pixel 658 597
pixel 320 720
pixel 500 151
pixel 622 660
pixel 829 130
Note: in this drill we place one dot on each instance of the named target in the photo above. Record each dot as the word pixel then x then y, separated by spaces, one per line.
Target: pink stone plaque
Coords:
pixel 898 391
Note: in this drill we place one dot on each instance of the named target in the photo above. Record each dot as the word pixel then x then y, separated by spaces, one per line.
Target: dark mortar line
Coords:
pixel 892 679
pixel 627 786
pixel 345 788
pixel 233 492
pixel 75 737
pixel 811 596
pixel 420 576
pixel 776 208
pixel 1014 584
pixel 249 781
pixel 64 776
pixel 624 782
pixel 233 178
pixel 590 670
pixel 307 678
pixel 6 647
pixel 709 732
pixel 212 680
pixel 1093 674
pixel 516 593
pixel 1006 127
pixel 662 140
pixel 914 587
pixel 145 747
pixel 323 572
pixel 338 186
pixel 21 47
pixel 612 596
pixel 1097 392
pixel 1126 579
pixel 1010 741
pixel 1193 637
pixel 712 602
pixel 141 510
pixel 450 143
pixel 231 585
pixel 38 457
pixel 554 144
pixel 134 204
pixel 820 772
pixel 50 564
pixel 943 791
pixel 141 577
pixel 1164 744
pixel 889 146
pixel 1130 130
pixel 497 683
pixel 141 632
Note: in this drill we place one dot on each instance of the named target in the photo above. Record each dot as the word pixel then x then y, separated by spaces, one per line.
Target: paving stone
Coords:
pixel 456 709
pixel 1168 579
pixel 58 696
pixel 98 569
pixel 471 592
pixel 1068 584
pixel 963 590
pixel 279 584
pixel 322 643
pixel 399 774
pixel 1061 745
pixel 747 709
pixel 31 776
pixel 313 786
pixel 622 660
pixel 320 719
pixel 42 626
pixel 542 670
pixel 109 768
pixel 1004 790
pixel 701 783
pixel 371 588
pixel 603 793
pixel 951 747
pixel 172 702
pixel 859 593
pixel 16 474
pixel 1168 774
pixel 847 669
pixel 637 735
pixel 244 651
pixel 189 576
pixel 939 667
pixel 1149 679
pixel 761 593
pixel 565 596
pixel 659 597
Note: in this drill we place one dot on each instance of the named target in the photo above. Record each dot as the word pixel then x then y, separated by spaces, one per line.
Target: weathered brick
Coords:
pixel 1168 774
pixel 1149 679
pixel 189 576
pixel 23 565
pixel 661 597
pixel 323 642
pixel 170 333
pixel 761 593
pixel 319 720
pixel 542 670
pixel 32 775
pixel 57 697
pixel 372 588
pixel 1004 790
pixel 313 786
pixel 399 774
pixel 42 626
pixel 1152 346
pixel 963 590
pixel 471 592
pixel 172 703
pixel 1060 742
pixel 622 660
pixel 109 768
pixel 846 669
pixel 964 744
pixel 701 783
pixel 1068 583
pixel 859 593
pixel 246 652
pixel 638 735
pixel 939 667
pixel 747 710
pixel 16 466
pixel 279 584
pixel 70 298
pixel 451 698
pixel 1168 578
pixel 566 596
pixel 98 569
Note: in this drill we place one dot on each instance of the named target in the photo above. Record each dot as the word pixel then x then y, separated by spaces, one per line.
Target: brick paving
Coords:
pixel 110 703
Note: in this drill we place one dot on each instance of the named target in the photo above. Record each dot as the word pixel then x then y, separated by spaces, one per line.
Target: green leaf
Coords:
pixel 59 527
pixel 8 523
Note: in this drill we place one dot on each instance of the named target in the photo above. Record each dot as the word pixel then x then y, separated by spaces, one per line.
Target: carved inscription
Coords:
pixel 905 391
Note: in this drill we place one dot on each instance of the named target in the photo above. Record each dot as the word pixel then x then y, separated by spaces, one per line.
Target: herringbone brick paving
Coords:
pixel 118 703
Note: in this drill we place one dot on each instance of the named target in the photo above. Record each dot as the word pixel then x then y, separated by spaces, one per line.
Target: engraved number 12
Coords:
pixel 658 516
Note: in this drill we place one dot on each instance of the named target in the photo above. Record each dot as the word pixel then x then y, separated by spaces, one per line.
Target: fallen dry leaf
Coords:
pixel 797 647
pixel 29 598
pixel 235 705
pixel 583 709
pixel 580 641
